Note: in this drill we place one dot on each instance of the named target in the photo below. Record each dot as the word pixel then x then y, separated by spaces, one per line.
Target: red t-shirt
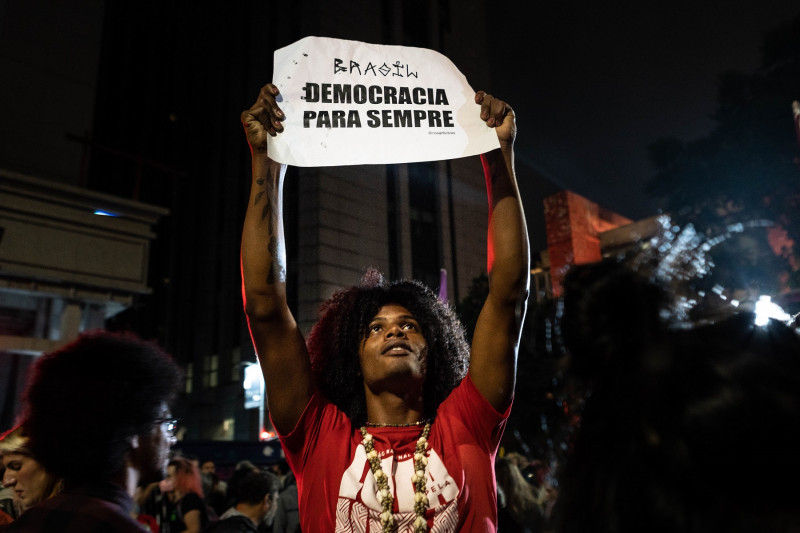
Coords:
pixel 337 489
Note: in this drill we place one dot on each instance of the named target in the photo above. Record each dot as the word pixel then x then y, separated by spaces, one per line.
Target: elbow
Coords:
pixel 511 286
pixel 262 306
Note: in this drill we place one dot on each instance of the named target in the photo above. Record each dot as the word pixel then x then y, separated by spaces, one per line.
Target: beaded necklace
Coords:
pixel 418 479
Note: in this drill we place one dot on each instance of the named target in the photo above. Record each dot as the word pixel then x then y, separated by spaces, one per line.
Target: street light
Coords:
pixel 766 309
pixel 254 394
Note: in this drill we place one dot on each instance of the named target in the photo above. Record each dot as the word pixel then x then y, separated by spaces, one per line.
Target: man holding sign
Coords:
pixel 388 419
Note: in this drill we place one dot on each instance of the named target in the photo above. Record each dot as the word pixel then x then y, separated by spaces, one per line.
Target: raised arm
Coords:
pixel 277 339
pixel 493 360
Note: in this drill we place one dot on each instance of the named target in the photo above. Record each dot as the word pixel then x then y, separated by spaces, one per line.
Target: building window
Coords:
pixel 210 371
pixel 189 377
pixel 423 194
pixel 235 368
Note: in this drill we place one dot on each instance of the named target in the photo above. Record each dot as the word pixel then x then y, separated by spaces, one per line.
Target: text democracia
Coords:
pixel 405 117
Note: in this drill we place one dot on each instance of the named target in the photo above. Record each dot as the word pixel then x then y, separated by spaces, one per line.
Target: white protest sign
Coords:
pixel 352 103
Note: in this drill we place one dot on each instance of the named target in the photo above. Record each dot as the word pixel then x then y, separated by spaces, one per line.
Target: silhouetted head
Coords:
pixel 97 401
pixel 684 428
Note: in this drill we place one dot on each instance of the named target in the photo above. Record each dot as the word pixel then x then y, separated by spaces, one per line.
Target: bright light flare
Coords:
pixel 766 309
pixel 252 376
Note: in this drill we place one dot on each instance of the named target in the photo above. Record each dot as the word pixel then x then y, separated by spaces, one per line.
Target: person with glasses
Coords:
pixel 97 415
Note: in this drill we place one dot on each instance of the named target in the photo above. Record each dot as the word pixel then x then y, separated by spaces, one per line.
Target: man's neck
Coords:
pixel 253 512
pixel 389 408
pixel 128 479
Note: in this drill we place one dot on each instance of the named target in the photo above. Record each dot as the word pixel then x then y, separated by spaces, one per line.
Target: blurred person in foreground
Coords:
pixel 23 474
pixel 389 420
pixel 255 497
pixel 97 415
pixel 687 427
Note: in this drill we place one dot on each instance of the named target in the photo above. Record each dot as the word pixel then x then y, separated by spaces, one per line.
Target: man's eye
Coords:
pixel 16 466
pixel 374 328
pixel 409 326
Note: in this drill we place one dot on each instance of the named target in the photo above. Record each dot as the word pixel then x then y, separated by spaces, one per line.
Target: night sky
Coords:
pixel 593 83
pixel 596 82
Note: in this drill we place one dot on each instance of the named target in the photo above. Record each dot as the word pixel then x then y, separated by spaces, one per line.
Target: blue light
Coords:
pixel 105 213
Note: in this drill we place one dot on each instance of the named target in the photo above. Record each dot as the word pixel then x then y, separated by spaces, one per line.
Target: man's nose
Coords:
pixel 9 481
pixel 395 331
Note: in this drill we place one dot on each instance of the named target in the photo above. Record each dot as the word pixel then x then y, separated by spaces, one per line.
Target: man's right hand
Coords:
pixel 262 119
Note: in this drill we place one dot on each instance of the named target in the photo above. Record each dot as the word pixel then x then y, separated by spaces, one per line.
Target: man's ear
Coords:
pixel 132 453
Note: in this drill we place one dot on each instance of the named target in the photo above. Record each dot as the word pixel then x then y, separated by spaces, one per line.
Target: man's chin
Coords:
pixel 401 378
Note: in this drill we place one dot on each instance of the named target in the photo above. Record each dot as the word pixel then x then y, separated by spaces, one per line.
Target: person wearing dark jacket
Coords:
pixel 287 514
pixel 254 500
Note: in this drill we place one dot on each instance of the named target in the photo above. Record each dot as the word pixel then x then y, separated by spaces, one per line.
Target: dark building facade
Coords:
pixel 172 80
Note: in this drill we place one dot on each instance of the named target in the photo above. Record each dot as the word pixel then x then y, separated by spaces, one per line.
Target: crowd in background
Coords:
pixel 675 422
pixel 191 498
pixel 194 498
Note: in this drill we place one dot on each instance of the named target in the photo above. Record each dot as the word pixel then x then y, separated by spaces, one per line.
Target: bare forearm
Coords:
pixel 508 254
pixel 277 339
pixel 279 344
pixel 496 338
pixel 263 246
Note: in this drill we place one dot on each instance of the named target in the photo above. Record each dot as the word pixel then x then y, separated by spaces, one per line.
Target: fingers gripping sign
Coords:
pixel 498 115
pixel 263 118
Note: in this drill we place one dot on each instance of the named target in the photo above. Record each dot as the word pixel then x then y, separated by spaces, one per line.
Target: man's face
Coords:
pixel 269 508
pixel 26 477
pixel 208 467
pixel 152 456
pixel 393 347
